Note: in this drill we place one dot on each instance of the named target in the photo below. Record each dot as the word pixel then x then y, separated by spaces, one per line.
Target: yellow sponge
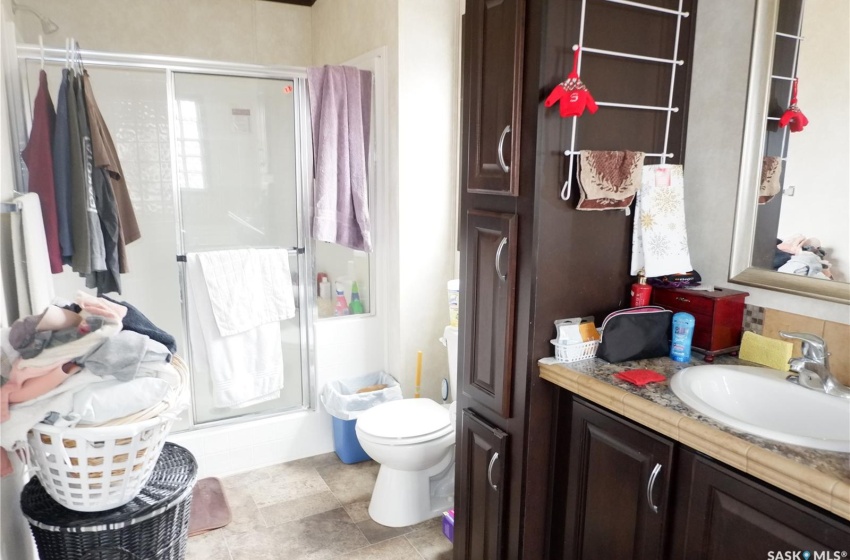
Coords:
pixel 766 351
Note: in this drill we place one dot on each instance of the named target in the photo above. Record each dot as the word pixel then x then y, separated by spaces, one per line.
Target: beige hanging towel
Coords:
pixel 659 236
pixel 771 170
pixel 608 180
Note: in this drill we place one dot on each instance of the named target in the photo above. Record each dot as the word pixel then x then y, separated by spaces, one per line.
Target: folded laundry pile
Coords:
pixel 94 362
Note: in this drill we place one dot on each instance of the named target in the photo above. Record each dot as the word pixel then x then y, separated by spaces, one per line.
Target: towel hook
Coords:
pixel 567 189
pixel 41 48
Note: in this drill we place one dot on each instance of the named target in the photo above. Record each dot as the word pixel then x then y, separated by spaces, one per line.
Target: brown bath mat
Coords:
pixel 210 509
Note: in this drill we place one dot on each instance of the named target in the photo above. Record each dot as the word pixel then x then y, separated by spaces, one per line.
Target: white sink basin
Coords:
pixel 759 401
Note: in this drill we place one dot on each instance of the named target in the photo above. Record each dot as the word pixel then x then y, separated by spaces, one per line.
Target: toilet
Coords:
pixel 414 442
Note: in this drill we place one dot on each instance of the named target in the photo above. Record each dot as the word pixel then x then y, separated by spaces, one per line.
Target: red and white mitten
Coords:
pixel 793 117
pixel 572 94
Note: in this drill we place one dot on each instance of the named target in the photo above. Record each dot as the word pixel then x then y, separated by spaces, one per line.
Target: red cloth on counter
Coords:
pixel 640 377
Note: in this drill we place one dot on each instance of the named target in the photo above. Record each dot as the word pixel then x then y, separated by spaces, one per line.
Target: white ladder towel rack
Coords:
pixel 566 190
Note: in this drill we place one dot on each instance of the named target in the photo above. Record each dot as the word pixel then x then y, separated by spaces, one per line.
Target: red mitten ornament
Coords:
pixel 793 116
pixel 572 94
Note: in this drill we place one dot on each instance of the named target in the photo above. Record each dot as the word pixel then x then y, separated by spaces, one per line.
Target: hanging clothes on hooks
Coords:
pixel 74 168
pixel 89 252
pixel 38 157
pixel 62 165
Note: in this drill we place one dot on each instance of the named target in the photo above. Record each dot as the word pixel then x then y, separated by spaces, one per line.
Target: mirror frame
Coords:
pixel 741 270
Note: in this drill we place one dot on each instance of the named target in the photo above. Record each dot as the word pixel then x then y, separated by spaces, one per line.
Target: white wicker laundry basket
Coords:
pixel 99 468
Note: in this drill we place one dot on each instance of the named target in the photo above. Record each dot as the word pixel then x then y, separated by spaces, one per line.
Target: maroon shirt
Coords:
pixel 38 155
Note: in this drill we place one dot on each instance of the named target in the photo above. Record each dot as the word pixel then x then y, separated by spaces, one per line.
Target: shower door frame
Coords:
pixel 307 308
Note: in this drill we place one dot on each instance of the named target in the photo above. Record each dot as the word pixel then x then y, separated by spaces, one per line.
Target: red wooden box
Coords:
pixel 719 316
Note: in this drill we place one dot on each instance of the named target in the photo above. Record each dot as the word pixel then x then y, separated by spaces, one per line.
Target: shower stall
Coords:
pixel 217 157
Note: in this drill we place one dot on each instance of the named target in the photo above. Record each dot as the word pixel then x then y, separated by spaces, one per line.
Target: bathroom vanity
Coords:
pixel 637 474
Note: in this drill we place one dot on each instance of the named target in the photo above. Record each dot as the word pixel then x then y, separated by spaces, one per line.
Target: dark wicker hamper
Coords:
pixel 154 526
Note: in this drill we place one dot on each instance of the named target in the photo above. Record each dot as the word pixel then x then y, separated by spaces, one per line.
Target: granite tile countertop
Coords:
pixel 820 477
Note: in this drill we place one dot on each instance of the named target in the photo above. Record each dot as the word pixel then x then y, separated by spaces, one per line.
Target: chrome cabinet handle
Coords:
pixel 683 299
pixel 505 132
pixel 650 485
pixel 502 244
pixel 490 471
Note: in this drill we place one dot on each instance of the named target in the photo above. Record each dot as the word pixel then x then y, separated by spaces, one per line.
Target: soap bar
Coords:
pixel 570 330
pixel 588 332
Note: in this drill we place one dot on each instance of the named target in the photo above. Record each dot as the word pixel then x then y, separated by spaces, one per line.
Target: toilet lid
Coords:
pixel 404 419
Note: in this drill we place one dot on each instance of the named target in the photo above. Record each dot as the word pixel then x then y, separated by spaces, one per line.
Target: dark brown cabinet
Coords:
pixel 604 502
pixel 492 69
pixel 479 537
pixel 722 514
pixel 555 261
pixel 618 488
pixel 490 260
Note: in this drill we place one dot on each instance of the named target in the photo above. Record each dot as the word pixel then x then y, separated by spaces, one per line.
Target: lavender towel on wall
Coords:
pixel 340 106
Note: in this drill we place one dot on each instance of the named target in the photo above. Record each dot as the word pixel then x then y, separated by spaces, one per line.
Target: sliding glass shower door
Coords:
pixel 235 146
pixel 213 161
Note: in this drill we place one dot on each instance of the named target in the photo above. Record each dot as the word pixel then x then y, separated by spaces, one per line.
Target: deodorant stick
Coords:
pixel 683 333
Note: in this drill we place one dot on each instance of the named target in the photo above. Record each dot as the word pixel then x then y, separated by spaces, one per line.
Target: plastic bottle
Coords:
pixel 341 307
pixel 356 306
pixel 640 291
pixel 325 289
pixel 454 301
pixel 683 333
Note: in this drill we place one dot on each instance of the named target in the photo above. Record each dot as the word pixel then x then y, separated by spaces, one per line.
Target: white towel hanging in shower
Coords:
pixel 32 265
pixel 245 368
pixel 248 287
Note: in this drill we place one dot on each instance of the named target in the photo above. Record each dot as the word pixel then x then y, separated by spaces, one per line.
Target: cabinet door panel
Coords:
pixel 492 88
pixel 488 318
pixel 618 488
pixel 723 515
pixel 479 517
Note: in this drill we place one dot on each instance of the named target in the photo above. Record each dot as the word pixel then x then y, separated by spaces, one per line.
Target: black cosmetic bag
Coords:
pixel 635 334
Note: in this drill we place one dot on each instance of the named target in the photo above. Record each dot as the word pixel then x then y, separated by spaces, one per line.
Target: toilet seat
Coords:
pixel 405 422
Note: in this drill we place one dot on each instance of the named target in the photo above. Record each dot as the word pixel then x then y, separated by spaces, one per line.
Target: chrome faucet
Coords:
pixel 812 368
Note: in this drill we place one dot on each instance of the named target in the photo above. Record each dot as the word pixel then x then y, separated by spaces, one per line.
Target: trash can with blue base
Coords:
pixel 346 399
pixel 154 526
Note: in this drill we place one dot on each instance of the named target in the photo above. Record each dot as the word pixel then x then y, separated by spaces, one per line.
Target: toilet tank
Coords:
pixel 450 341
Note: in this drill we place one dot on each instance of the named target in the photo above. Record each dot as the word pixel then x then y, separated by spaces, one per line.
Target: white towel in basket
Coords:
pixel 245 368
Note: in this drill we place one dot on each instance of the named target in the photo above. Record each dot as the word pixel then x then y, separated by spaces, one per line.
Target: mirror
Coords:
pixel 792 231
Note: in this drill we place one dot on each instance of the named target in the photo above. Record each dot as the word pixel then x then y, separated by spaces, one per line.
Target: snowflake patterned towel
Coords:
pixel 659 238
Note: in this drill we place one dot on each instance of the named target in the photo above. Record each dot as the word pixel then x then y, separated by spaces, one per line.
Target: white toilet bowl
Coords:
pixel 414 441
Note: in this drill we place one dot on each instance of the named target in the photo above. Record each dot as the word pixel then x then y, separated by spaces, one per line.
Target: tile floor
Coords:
pixel 314 508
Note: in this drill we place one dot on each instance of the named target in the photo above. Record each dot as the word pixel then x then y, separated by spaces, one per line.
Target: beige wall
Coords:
pixel 428 94
pixel 249 31
pixel 422 49
pixel 714 140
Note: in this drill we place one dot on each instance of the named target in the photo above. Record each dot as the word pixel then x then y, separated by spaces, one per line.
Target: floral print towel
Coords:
pixel 659 238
